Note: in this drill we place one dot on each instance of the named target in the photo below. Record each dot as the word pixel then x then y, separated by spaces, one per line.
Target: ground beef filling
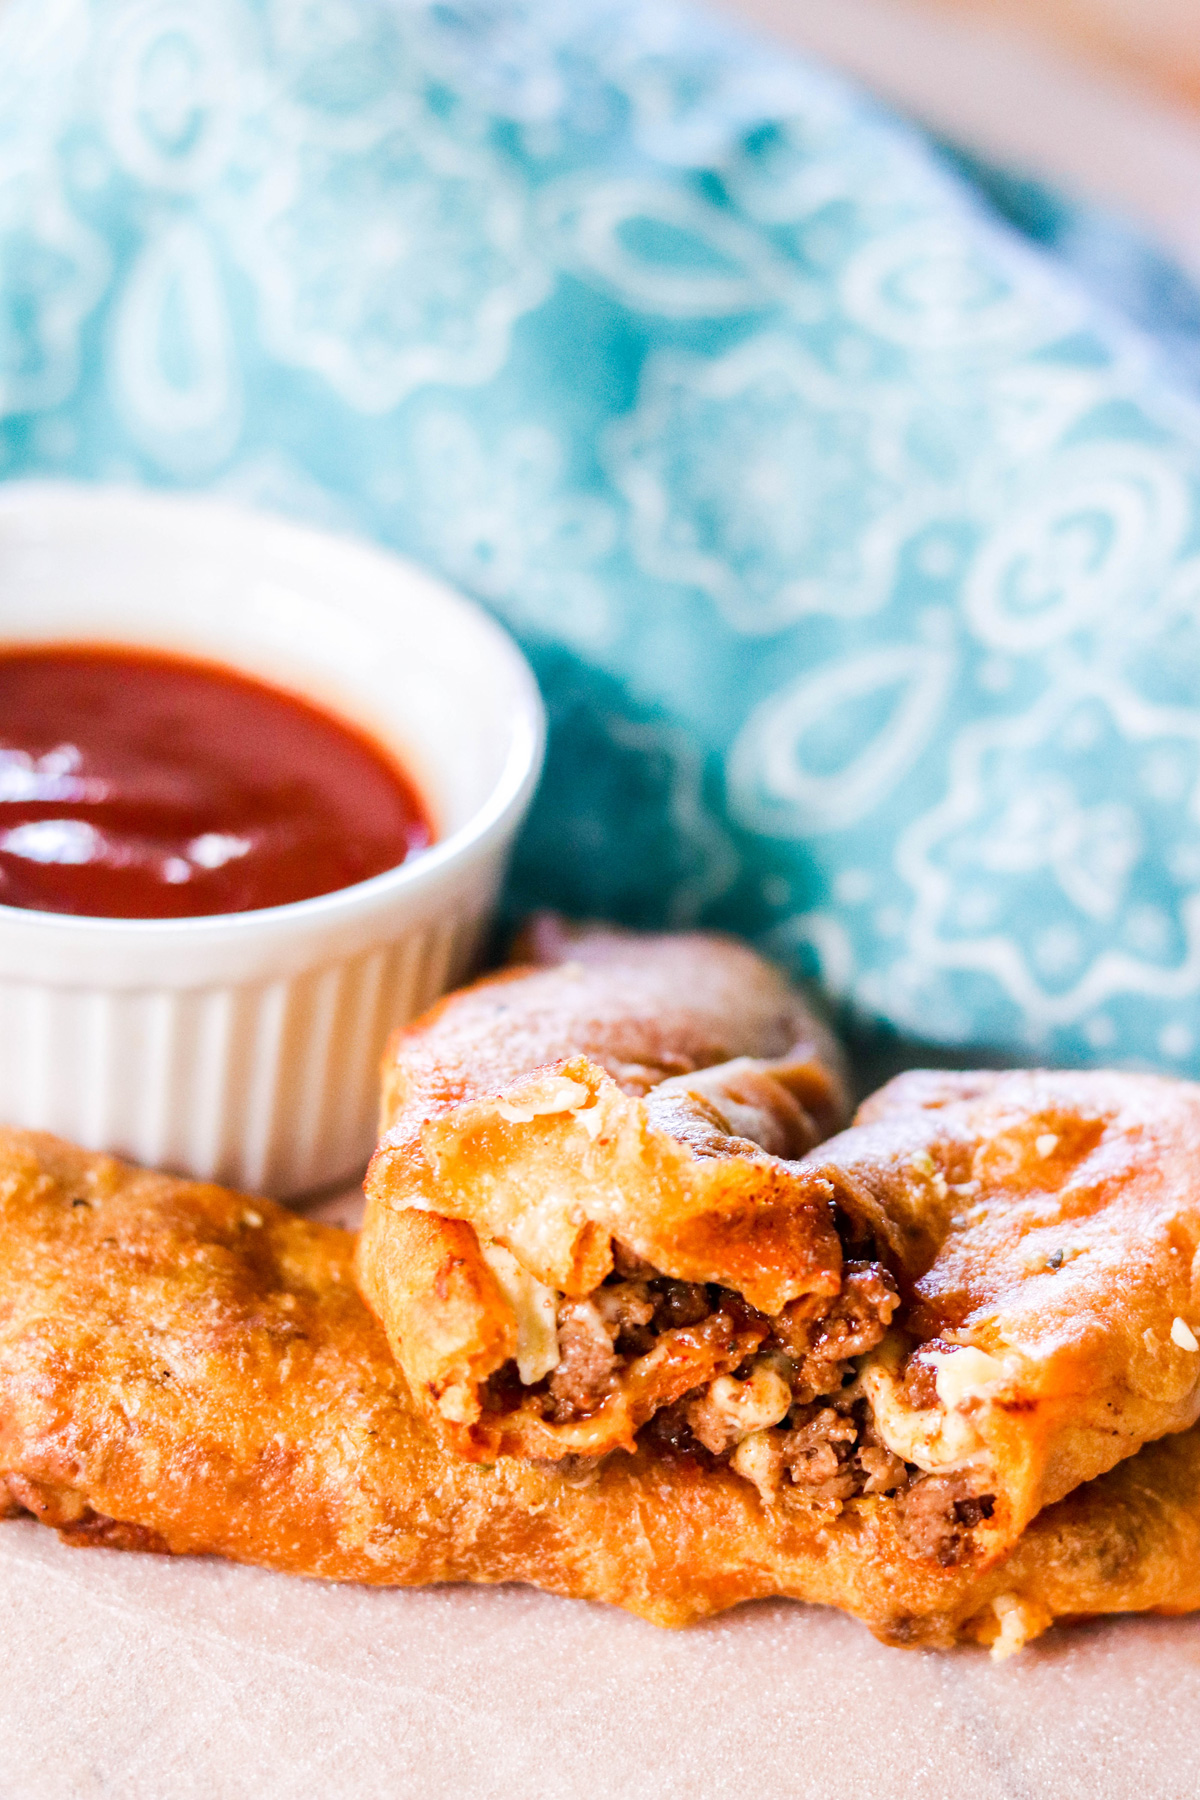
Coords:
pixel 940 1513
pixel 830 1451
pixel 790 1412
pixel 816 1337
pixel 827 1448
pixel 807 1349
pixel 784 1374
pixel 599 1337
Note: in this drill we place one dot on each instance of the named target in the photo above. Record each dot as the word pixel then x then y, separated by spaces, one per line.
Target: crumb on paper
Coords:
pixel 1020 1621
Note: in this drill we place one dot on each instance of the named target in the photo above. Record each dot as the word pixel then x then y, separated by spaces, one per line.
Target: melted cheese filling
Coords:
pixel 535 1306
pixel 965 1374
pixel 933 1439
pixel 936 1438
pixel 762 1399
pixel 559 1095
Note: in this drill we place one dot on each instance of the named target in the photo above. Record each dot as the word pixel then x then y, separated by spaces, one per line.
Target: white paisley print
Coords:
pixel 497 517
pixel 755 479
pixel 856 544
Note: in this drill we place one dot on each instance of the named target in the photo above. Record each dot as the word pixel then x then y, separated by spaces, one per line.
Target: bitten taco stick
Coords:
pixel 975 1299
pixel 185 1369
pixel 583 1208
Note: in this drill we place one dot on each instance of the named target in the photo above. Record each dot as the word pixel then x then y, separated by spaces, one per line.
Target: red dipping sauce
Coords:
pixel 139 785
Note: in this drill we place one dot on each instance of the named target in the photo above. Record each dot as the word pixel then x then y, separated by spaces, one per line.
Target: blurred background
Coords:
pixel 853 534
pixel 1102 96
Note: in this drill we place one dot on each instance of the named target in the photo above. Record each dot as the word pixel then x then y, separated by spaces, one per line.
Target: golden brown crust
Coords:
pixel 643 1005
pixel 188 1369
pixel 466 1331
pixel 643 1090
pixel 1048 1223
pixel 1127 1542
pixel 1044 1229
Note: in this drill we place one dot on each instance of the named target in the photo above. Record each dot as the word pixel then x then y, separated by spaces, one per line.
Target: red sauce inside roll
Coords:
pixel 139 785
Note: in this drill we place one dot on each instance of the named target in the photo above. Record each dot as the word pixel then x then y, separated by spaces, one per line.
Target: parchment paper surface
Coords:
pixel 141 1677
pixel 145 1678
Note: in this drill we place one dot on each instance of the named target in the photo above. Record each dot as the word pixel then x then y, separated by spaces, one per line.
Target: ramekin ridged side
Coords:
pixel 269 1085
pixel 245 1047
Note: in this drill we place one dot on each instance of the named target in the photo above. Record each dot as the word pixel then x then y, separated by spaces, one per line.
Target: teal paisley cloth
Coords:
pixel 844 494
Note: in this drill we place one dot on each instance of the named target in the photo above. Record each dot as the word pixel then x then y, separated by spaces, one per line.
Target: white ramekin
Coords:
pixel 245 1047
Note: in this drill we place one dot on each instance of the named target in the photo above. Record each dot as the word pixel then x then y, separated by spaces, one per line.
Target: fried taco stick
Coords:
pixel 1043 1229
pixel 1007 1303
pixel 581 1207
pixel 184 1369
